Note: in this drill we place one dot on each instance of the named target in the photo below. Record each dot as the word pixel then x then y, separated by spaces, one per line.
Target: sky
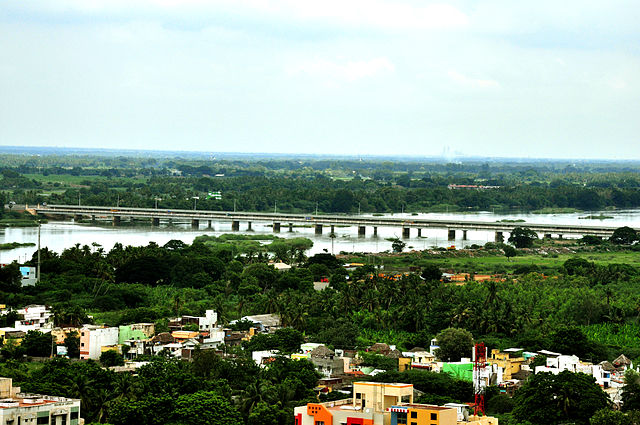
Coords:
pixel 543 79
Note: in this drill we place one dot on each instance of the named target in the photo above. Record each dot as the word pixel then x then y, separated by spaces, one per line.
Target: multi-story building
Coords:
pixel 205 324
pixel 32 317
pixel 510 362
pixel 17 408
pixel 93 338
pixel 377 403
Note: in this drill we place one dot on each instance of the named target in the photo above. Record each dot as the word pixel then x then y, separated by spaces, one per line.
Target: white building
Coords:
pixel 35 317
pixel 261 357
pixel 93 338
pixel 558 363
pixel 17 408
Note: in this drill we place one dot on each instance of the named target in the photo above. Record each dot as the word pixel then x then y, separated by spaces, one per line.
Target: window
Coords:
pixel 74 415
pixel 319 422
pixel 434 416
pixel 402 418
pixel 414 423
pixel 414 415
pixel 358 396
pixel 43 420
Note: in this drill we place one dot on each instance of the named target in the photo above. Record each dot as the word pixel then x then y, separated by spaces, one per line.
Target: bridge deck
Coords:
pixel 109 212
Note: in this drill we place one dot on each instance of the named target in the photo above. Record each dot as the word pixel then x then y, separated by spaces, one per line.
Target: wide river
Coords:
pixel 58 235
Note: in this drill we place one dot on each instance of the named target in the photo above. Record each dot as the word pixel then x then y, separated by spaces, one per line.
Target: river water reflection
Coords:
pixel 58 235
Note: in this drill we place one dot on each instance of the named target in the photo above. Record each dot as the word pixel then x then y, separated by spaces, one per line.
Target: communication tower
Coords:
pixel 479 376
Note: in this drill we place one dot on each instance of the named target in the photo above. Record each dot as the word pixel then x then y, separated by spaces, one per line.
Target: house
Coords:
pixel 376 403
pixel 12 334
pixel 18 408
pixel 93 338
pixel 206 323
pixel 262 358
pixel 326 362
pixel 32 317
pixel 29 275
pixel 558 363
pixel 60 334
pixel 281 266
pixel 510 362
pixel 137 331
pixel 420 357
pixel 262 322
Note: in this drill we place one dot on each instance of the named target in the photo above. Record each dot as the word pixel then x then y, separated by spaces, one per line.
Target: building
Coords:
pixel 326 362
pixel 510 362
pixel 262 322
pixel 93 338
pixel 29 275
pixel 136 332
pixel 420 358
pixel 206 323
pixel 17 408
pixel 557 363
pixel 32 317
pixel 376 403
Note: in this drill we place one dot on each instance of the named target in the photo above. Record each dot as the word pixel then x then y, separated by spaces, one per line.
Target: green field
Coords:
pixel 494 263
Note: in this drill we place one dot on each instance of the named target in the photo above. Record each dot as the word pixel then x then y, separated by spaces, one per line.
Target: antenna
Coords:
pixel 479 366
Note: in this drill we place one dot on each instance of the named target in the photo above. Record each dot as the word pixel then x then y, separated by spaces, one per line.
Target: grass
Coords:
pixel 69 180
pixel 490 263
pixel 596 217
pixel 14 245
pixel 625 335
pixel 551 210
pixel 17 222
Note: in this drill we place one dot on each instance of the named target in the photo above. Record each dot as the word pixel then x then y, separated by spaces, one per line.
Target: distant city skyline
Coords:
pixel 456 78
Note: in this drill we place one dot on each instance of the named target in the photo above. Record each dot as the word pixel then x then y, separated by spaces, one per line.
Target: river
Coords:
pixel 58 235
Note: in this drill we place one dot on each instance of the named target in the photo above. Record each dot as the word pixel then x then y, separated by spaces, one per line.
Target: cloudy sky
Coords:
pixel 470 77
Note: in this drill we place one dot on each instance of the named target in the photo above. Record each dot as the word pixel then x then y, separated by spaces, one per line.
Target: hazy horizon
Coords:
pixel 450 79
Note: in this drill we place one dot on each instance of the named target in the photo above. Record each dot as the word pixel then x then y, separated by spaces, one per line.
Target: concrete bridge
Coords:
pixel 317 221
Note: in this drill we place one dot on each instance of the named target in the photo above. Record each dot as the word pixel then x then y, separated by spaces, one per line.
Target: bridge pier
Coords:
pixel 276 227
pixel 93 218
pixel 195 224
pixel 235 225
pixel 209 224
pixel 419 232
pixel 116 220
pixel 375 230
pixel 318 229
pixel 451 234
pixel 77 217
pixel 559 235
pixel 290 227
pixel 333 228
pixel 499 237
pixel 406 232
pixel 547 235
pixel 249 225
pixel 155 222
pixel 362 230
pixel 464 235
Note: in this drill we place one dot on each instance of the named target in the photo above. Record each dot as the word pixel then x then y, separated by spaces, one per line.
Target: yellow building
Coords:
pixel 508 361
pixel 376 403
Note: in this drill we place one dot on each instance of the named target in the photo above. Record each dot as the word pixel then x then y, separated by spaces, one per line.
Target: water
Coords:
pixel 58 235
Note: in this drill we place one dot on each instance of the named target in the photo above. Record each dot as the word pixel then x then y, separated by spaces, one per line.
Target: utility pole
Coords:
pixel 234 205
pixel 118 202
pixel 38 269
pixel 275 207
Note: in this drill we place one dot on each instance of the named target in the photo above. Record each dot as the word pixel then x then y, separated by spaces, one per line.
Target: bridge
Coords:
pixel 317 221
